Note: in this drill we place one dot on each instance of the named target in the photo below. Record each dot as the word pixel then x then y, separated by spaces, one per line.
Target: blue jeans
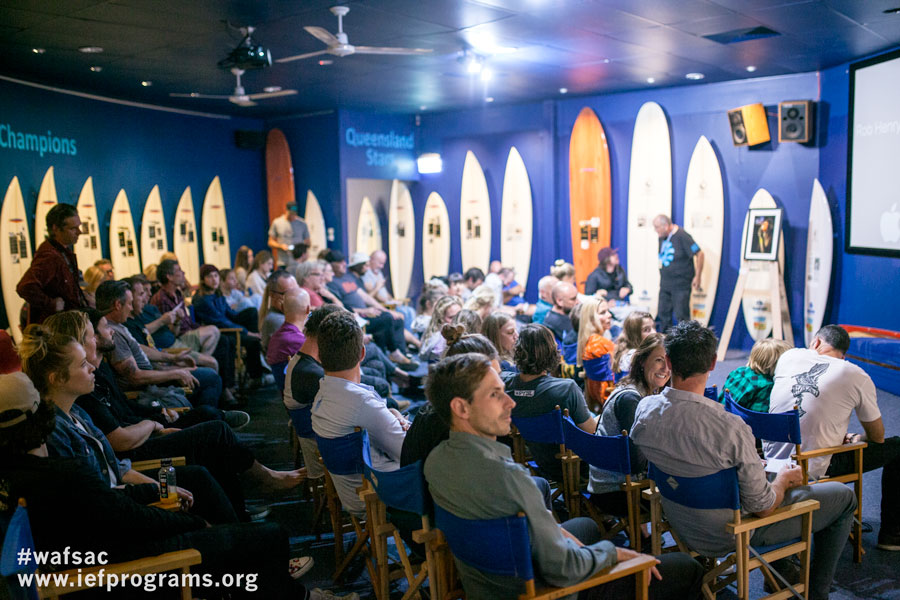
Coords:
pixel 209 390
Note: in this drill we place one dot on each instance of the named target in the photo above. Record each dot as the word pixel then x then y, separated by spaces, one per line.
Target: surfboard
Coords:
pixel 435 238
pixel 216 249
pixel 704 219
pixel 474 217
pixel 401 238
pixel 279 173
pixel 15 253
pixel 368 229
pixel 154 240
pixel 315 222
pixel 516 217
pixel 590 193
pixel 756 301
pixel 46 200
pixel 649 195
pixel 88 248
pixel 819 254
pixel 184 237
pixel 123 243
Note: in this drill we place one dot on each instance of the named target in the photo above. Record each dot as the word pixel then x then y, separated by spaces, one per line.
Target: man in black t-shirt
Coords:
pixel 680 268
pixel 564 296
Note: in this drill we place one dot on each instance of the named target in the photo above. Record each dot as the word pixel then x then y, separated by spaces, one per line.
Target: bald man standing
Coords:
pixel 288 338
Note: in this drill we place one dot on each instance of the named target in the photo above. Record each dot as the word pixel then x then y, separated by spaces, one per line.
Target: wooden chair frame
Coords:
pixel 361 546
pixel 240 371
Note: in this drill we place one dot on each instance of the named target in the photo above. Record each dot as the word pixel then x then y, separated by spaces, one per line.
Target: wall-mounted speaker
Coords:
pixel 749 126
pixel 247 139
pixel 795 121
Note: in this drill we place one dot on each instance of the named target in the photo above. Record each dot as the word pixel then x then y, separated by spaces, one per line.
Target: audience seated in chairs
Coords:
pixel 433 343
pixel 565 297
pixel 260 270
pixel 472 476
pixel 635 328
pixel 288 338
pixel 500 329
pixel 271 314
pixel 238 300
pixel 751 386
pixel 595 351
pixel 170 296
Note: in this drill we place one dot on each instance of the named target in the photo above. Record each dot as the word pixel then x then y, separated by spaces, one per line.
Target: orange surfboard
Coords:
pixel 590 194
pixel 279 173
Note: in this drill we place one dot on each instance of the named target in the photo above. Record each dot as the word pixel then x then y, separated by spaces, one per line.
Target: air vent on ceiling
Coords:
pixel 742 35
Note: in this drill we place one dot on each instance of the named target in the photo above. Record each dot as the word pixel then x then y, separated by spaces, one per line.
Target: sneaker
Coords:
pixel 237 419
pixel 300 566
pixel 258 513
pixel 888 541
pixel 320 594
pixel 408 366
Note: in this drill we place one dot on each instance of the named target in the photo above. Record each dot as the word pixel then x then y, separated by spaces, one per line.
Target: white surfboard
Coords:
pixel 435 238
pixel 649 195
pixel 474 217
pixel 154 240
pixel 15 253
pixel 756 301
pixel 214 221
pixel 184 237
pixel 516 217
pixel 368 229
pixel 315 222
pixel 401 238
pixel 46 200
pixel 88 249
pixel 704 219
pixel 819 254
pixel 123 243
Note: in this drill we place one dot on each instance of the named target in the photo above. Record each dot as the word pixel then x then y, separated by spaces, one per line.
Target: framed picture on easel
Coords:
pixel 764 234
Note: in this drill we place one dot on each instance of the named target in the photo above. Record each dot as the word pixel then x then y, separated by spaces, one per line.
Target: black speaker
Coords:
pixel 738 133
pixel 249 140
pixel 795 121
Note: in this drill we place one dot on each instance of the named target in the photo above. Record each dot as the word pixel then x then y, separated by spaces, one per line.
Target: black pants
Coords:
pixel 249 319
pixel 199 414
pixel 876 456
pixel 387 332
pixel 675 301
pixel 210 500
pixel 224 355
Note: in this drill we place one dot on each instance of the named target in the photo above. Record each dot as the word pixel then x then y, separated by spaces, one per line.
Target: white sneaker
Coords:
pixel 320 594
pixel 300 566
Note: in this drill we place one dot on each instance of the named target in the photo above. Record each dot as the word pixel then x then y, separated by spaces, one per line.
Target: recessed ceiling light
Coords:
pixel 91 49
pixel 38 50
pixel 605 61
pixel 324 62
pixel 146 83
pixel 751 68
pixel 651 80
pixel 423 107
pixel 891 11
pixel 563 90
pixel 96 69
pixel 695 76
pixel 272 88
pixel 489 99
pixel 486 74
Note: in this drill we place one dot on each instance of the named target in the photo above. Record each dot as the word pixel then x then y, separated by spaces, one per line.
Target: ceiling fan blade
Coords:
pixel 382 50
pixel 323 35
pixel 265 95
pixel 241 100
pixel 300 56
pixel 195 95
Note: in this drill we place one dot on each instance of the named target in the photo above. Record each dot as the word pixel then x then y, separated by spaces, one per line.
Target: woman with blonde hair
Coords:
pixel 751 386
pixel 433 343
pixel 93 277
pixel 482 301
pixel 595 350
pixel 500 329
pixel 563 271
pixel 469 319
pixel 637 326
pixel 262 267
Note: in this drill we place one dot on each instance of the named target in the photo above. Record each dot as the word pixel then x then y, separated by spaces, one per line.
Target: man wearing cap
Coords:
pixel 287 230
pixel 609 277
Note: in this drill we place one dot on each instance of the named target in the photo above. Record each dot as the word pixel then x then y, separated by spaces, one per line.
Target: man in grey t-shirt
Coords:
pixel 287 230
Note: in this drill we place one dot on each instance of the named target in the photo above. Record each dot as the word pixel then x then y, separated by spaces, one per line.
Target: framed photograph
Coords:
pixel 763 234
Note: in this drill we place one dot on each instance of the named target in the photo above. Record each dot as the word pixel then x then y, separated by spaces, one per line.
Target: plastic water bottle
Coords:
pixel 167 484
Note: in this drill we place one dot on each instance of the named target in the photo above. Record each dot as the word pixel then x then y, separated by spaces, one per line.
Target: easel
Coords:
pixel 781 314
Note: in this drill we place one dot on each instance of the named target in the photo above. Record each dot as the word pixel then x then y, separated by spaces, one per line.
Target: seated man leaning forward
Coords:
pixel 343 404
pixel 686 434
pixel 473 476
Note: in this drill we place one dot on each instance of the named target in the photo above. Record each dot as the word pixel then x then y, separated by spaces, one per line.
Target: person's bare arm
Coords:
pixel 274 245
pixel 874 431
pixel 698 268
pixel 369 300
pixel 135 477
pixel 589 426
pixel 123 439
pixel 167 318
pixel 128 371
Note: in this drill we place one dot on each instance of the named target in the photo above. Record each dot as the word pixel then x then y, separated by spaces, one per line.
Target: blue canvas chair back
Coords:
pixel 620 376
pixel 496 546
pixel 342 455
pixel 719 490
pixel 569 352
pixel 607 452
pixel 773 427
pixel 546 428
pixel 302 421
pixel 278 374
pixel 403 489
pixel 16 533
pixel 599 369
pixel 712 392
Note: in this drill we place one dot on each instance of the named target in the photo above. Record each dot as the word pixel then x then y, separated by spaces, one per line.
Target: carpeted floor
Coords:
pixel 877 578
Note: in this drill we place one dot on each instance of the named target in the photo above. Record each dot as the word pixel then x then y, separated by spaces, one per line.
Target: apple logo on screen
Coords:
pixel 890 225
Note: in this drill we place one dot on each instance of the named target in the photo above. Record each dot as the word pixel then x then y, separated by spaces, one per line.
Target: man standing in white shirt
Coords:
pixel 827 389
pixel 285 232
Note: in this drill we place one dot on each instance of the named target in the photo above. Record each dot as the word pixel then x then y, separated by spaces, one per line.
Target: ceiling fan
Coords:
pixel 338 43
pixel 239 97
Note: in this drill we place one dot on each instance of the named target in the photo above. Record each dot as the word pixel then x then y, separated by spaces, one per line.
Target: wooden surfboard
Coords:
pixel 184 237
pixel 435 238
pixel 154 240
pixel 590 193
pixel 315 222
pixel 516 224
pixel 123 243
pixel 704 219
pixel 401 238
pixel 46 200
pixel 368 229
pixel 88 249
pixel 819 254
pixel 216 249
pixel 279 173
pixel 756 301
pixel 15 253
pixel 474 217
pixel 649 195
